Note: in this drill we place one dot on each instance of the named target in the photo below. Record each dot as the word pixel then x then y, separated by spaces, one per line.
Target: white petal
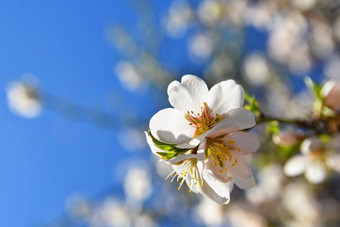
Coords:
pixel 182 157
pixel 240 169
pixel 191 181
pixel 245 183
pixel 170 126
pixel 193 142
pixel 225 96
pixel 247 142
pixel 296 165
pixel 242 118
pixel 316 173
pixel 220 130
pixel 216 190
pixel 189 95
pixel 327 87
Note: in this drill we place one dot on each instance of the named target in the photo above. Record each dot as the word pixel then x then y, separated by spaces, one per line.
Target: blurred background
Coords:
pixel 81 79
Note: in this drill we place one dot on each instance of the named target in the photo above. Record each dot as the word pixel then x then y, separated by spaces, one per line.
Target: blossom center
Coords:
pixel 202 121
pixel 219 152
pixel 186 171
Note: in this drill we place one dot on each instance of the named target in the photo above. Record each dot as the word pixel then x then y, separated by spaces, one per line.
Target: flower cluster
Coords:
pixel 201 137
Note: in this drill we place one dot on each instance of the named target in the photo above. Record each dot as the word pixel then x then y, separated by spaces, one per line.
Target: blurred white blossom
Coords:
pixel 23 99
pixel 177 21
pixel 299 201
pixel 303 4
pixel 137 185
pixel 332 67
pixel 256 69
pixel 240 215
pixel 201 46
pixel 128 75
pixel 269 185
pixel 316 160
pixel 210 11
pixel 110 213
pixel 209 212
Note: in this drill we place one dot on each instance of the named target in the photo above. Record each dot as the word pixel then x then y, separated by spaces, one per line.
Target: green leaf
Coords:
pixel 316 91
pixel 273 127
pixel 314 88
pixel 252 104
pixel 167 155
pixel 171 150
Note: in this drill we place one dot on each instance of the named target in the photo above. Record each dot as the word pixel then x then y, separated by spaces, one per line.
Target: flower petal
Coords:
pixel 216 190
pixel 240 169
pixel 170 126
pixel 218 172
pixel 246 142
pixel 225 96
pixel 296 165
pixel 316 172
pixel 189 95
pixel 182 157
pixel 199 178
pixel 221 129
pixel 331 92
pixel 245 183
pixel 194 142
pixel 242 118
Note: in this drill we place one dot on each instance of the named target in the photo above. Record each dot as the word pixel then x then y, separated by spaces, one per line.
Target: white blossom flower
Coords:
pixel 206 148
pixel 269 185
pixel 137 185
pixel 209 212
pixel 331 93
pixel 316 160
pixel 23 99
pixel 298 200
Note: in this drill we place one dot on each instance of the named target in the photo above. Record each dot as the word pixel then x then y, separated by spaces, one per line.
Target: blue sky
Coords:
pixel 44 160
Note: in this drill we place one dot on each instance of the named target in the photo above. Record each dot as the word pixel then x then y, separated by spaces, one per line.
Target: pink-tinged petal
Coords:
pixel 170 126
pixel 245 143
pixel 216 190
pixel 189 94
pixel 242 118
pixel 245 183
pixel 316 172
pixel 238 168
pixel 225 96
pixel 331 92
pixel 327 88
pixel 296 165
pixel 217 171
